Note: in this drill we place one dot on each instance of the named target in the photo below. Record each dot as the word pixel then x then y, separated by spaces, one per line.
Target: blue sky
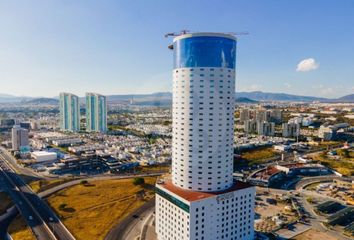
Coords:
pixel 117 47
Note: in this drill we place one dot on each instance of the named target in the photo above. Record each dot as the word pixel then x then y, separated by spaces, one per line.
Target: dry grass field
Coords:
pixel 343 165
pixel 42 185
pixel 90 210
pixel 314 235
pixel 19 231
pixel 258 156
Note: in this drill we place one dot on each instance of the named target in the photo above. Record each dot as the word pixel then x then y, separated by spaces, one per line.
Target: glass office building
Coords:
pixel 96 112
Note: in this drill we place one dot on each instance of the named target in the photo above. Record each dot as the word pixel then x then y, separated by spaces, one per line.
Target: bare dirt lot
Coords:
pixel 314 235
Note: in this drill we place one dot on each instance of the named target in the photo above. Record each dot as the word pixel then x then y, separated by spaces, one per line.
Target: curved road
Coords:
pixel 5 219
pixel 129 227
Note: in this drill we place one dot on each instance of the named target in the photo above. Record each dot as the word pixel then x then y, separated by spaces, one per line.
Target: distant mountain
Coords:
pixel 3 95
pixel 266 96
pixel 153 99
pixel 347 98
pixel 47 101
pixel 165 98
pixel 245 100
pixel 7 98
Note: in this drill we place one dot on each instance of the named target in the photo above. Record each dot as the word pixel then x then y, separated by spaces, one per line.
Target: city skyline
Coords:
pixel 47 46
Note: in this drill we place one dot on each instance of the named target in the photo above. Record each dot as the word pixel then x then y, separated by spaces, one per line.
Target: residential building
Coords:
pixel 245 115
pixel 201 200
pixel 250 126
pixel 262 115
pixel 330 132
pixel 265 128
pixel 276 115
pixel 69 112
pixel 19 138
pixel 96 113
pixel 291 130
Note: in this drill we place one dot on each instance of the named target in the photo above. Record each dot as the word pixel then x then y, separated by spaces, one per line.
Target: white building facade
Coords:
pixel 201 199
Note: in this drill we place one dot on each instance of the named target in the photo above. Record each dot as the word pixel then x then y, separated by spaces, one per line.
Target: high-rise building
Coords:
pixel 265 128
pixel 19 138
pixel 201 200
pixel 69 112
pixel 96 113
pixel 276 115
pixel 291 129
pixel 262 115
pixel 245 115
pixel 250 126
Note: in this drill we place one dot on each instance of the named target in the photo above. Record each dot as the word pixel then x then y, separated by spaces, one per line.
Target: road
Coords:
pixel 315 220
pixel 7 219
pixel 327 178
pixel 39 228
pixel 23 170
pixel 130 227
pixel 42 220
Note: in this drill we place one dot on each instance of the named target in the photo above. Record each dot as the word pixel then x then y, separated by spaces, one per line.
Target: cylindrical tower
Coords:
pixel 203 111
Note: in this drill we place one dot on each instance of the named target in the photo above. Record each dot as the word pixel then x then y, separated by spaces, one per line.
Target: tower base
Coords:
pixel 189 215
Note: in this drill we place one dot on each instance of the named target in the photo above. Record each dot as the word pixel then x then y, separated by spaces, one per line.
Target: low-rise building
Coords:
pixel 43 156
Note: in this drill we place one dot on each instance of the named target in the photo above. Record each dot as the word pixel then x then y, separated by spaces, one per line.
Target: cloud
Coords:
pixel 307 64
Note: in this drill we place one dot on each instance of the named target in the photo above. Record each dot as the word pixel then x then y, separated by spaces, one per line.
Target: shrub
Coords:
pixel 84 182
pixel 62 206
pixel 138 181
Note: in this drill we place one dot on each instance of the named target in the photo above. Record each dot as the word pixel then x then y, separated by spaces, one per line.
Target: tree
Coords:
pixel 343 153
pixel 84 182
pixel 62 206
pixel 138 181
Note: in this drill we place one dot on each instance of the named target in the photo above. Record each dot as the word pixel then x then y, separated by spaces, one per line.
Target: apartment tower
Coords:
pixel 96 112
pixel 69 112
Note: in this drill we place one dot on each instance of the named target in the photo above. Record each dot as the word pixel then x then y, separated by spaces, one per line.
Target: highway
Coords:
pixel 38 215
pixel 34 221
pixel 54 225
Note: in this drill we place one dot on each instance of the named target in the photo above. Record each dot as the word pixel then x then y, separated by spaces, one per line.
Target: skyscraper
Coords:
pixel 96 113
pixel 202 201
pixel 69 112
pixel 19 137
